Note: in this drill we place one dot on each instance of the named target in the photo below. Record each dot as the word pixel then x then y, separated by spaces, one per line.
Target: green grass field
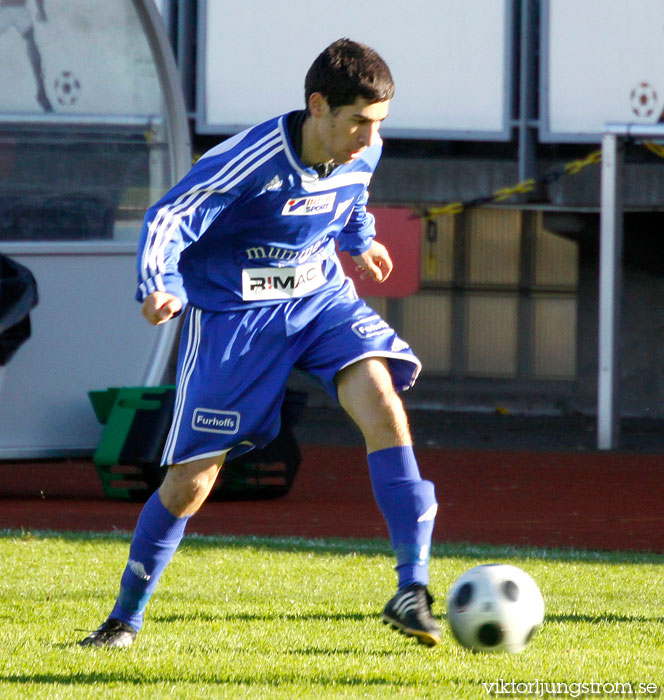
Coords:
pixel 285 618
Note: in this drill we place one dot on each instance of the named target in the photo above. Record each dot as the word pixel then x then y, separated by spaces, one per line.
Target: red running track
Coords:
pixel 581 500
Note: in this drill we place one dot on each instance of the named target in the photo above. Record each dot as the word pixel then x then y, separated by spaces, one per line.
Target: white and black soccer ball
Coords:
pixel 67 88
pixel 495 608
pixel 643 100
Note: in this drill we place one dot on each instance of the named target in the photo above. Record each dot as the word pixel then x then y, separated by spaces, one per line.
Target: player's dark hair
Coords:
pixel 346 71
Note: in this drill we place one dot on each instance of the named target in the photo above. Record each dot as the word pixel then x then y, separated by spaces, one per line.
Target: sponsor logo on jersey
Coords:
pixel 370 327
pixel 259 283
pixel 208 420
pixel 309 206
pixel 271 252
pixel 259 252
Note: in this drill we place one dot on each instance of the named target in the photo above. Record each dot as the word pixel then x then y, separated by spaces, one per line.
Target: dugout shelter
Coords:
pixel 93 129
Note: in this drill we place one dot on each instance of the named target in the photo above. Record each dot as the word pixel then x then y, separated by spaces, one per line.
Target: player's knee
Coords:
pixel 367 394
pixel 186 487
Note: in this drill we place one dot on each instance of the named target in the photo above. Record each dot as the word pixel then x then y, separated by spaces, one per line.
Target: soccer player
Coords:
pixel 244 246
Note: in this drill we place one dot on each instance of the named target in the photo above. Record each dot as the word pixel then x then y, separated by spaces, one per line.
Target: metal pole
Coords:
pixel 610 292
pixel 180 157
pixel 526 121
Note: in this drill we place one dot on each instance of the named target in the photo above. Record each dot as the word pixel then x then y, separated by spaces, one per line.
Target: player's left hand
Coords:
pixel 374 263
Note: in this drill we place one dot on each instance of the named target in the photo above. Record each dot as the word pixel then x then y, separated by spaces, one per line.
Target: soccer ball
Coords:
pixel 643 99
pixel 67 88
pixel 495 607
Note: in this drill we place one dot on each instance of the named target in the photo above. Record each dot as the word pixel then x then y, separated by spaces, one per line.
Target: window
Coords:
pixel 498 298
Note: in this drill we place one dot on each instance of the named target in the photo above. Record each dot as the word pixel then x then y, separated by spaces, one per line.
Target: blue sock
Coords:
pixel 156 538
pixel 408 505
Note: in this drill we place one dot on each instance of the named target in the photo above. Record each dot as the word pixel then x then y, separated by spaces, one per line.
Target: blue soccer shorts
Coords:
pixel 233 367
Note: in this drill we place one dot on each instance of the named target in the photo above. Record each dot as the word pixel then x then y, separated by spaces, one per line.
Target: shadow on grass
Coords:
pixel 322 651
pixel 269 679
pixel 253 617
pixel 606 617
pixel 362 617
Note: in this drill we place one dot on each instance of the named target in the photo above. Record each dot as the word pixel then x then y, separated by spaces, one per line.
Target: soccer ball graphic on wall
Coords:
pixel 643 100
pixel 67 88
pixel 495 608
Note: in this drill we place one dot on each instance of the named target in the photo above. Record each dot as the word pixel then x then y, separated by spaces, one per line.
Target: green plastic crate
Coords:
pixel 136 422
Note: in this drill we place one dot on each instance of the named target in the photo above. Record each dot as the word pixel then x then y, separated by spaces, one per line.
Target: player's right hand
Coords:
pixel 160 307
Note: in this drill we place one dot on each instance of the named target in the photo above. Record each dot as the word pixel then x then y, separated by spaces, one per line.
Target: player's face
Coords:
pixel 343 133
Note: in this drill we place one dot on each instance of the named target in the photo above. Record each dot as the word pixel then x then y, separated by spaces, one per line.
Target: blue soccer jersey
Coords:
pixel 249 239
pixel 251 226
